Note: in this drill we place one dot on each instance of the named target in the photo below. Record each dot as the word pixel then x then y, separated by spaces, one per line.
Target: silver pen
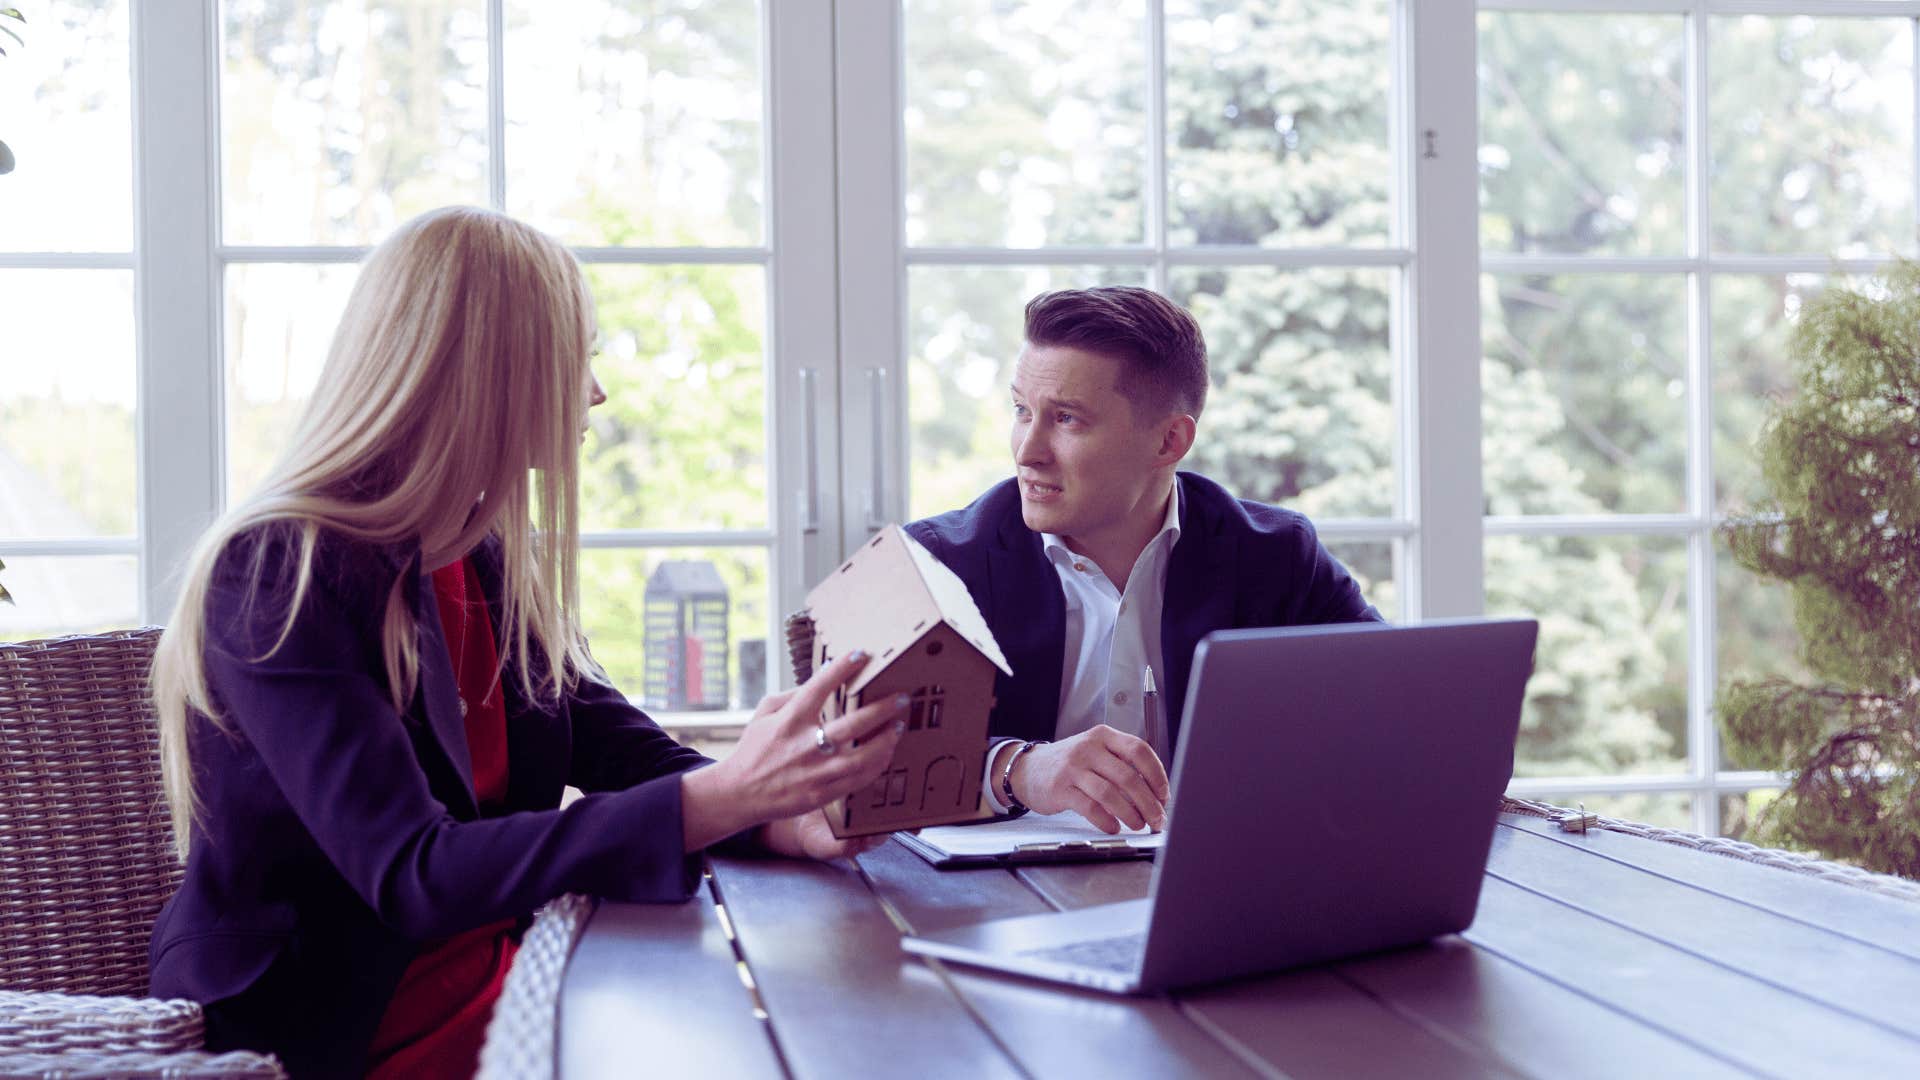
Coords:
pixel 1150 705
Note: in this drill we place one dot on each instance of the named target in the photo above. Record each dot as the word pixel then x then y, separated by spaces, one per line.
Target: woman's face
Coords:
pixel 596 394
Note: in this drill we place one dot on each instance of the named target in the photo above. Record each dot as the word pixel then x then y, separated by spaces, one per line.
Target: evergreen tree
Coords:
pixel 1842 464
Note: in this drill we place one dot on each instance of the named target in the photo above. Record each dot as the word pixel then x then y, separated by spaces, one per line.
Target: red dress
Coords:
pixel 438 1016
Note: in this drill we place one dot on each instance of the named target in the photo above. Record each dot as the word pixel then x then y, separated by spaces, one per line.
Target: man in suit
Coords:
pixel 1099 561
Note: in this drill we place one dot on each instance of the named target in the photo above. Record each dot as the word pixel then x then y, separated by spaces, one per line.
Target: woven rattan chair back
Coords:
pixel 86 853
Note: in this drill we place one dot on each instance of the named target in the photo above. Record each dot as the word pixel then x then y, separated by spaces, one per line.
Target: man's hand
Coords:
pixel 808 836
pixel 1110 778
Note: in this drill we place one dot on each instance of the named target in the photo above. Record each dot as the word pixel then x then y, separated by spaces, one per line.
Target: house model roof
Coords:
pixel 888 596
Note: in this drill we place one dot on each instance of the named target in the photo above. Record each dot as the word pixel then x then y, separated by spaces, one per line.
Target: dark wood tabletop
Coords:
pixel 1592 955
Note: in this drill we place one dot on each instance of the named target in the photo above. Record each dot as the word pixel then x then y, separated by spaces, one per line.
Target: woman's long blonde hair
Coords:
pixel 457 376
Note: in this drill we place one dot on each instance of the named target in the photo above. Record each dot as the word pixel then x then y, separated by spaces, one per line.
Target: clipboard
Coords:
pixel 1034 838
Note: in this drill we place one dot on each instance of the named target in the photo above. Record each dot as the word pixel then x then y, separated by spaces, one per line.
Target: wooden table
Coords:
pixel 1597 955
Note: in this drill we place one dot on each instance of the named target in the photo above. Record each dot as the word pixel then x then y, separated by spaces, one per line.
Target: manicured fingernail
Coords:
pixel 899 727
pixel 901 701
pixel 857 655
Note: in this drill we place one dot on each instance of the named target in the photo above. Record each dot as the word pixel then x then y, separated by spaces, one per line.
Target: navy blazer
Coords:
pixel 1238 563
pixel 335 836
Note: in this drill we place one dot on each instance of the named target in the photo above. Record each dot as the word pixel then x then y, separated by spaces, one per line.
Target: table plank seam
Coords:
pixel 1788 916
pixel 1470 1047
pixel 760 1010
pixel 940 972
pixel 1711 961
pixel 1020 874
pixel 1245 1054
pixel 1672 1033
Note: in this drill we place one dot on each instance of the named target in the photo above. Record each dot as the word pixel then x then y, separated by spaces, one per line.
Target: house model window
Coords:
pixel 927 703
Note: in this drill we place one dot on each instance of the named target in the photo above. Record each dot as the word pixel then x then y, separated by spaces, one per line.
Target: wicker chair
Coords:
pixel 86 860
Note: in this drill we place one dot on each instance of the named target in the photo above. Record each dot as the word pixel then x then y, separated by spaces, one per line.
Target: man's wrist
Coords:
pixel 990 774
pixel 1010 769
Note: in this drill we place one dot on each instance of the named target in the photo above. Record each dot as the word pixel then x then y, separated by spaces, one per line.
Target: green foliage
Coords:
pixel 1841 461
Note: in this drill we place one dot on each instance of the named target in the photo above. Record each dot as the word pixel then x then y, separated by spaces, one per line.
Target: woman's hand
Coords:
pixel 808 836
pixel 781 769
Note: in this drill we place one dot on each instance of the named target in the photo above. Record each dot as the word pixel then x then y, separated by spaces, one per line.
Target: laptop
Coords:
pixel 1335 791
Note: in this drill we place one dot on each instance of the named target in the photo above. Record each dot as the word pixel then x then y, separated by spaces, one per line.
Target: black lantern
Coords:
pixel 686 637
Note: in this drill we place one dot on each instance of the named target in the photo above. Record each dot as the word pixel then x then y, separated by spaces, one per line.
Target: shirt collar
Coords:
pixel 1056 548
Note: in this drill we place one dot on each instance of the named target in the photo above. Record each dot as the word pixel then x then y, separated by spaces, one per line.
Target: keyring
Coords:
pixel 821 742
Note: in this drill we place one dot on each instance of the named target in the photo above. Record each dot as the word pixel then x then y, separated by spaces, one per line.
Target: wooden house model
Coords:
pixel 928 640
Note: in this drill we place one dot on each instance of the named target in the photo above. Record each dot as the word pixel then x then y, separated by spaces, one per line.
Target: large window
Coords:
pixel 69 464
pixel 811 230
pixel 1240 158
pixel 634 133
pixel 1661 187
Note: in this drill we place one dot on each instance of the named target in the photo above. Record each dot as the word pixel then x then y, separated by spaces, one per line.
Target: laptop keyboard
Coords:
pixel 1108 954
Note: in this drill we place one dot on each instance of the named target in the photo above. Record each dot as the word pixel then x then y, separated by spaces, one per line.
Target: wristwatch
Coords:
pixel 1007 797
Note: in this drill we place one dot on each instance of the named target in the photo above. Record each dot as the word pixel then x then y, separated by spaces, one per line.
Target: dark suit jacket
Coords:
pixel 1238 563
pixel 335 837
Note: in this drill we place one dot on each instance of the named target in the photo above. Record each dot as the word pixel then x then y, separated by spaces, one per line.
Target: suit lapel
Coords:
pixel 1199 594
pixel 538 753
pixel 439 688
pixel 1029 620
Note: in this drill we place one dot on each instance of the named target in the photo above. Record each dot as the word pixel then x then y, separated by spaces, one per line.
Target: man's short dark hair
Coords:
pixel 1162 354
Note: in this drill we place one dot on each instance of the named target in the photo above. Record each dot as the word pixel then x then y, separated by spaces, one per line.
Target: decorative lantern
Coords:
pixel 686 637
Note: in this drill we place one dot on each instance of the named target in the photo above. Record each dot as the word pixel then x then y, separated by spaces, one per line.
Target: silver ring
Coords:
pixel 821 742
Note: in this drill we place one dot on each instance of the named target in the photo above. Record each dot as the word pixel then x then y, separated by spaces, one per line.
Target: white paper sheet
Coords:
pixel 1003 837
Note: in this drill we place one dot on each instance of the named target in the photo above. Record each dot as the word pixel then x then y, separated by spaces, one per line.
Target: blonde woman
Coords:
pixel 374 687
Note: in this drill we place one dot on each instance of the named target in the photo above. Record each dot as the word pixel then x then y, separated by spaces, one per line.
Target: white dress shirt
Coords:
pixel 1112 636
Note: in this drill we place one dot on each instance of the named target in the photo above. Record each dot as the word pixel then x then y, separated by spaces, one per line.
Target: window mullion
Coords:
pixel 1444 383
pixel 176 289
pixel 496 104
pixel 1702 736
pixel 1158 182
pixel 870 134
pixel 802 292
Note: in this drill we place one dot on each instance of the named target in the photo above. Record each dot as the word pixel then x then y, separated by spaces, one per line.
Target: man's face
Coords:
pixel 1084 461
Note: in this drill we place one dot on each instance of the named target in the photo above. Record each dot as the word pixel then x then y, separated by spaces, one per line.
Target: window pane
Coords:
pixel 341 120
pixel 66 113
pixel 636 124
pixel 1609 688
pixel 280 322
pixel 1301 409
pixel 1581 140
pixel 1025 122
pixel 1583 394
pixel 1740 813
pixel 1666 810
pixel 68 464
pixel 965 329
pixel 1373 564
pixel 69 594
pixel 1752 317
pixel 1755 635
pixel 1811 135
pixel 717 673
pixel 1277 122
pixel 681 442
